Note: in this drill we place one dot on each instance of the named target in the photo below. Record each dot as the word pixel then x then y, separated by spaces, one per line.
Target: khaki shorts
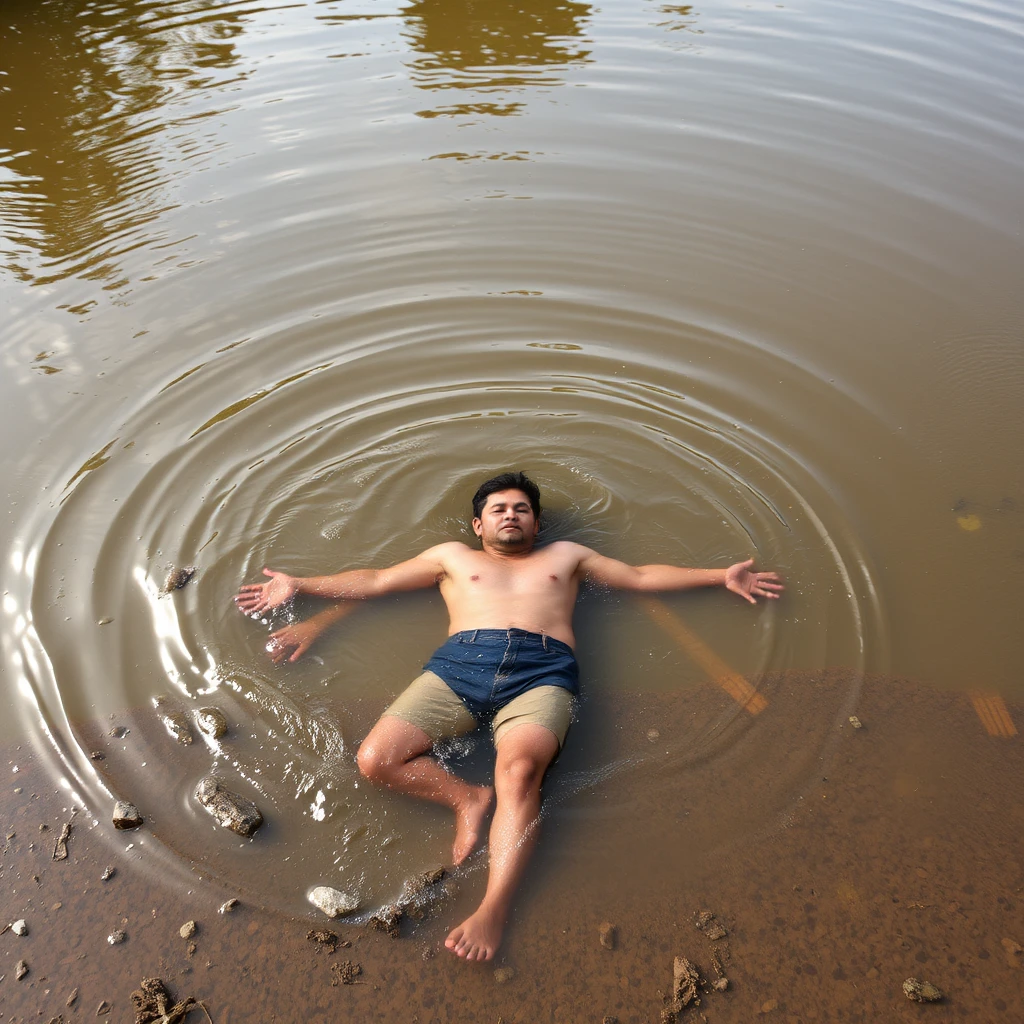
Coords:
pixel 431 705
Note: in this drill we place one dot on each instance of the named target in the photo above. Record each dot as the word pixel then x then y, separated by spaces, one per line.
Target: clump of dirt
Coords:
pixel 178 577
pixel 346 972
pixel 323 939
pixel 154 1004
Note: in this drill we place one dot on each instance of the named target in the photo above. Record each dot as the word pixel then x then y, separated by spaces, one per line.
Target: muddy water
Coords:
pixel 283 283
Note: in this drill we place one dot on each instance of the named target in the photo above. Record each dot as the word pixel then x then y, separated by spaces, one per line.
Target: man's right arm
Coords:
pixel 424 570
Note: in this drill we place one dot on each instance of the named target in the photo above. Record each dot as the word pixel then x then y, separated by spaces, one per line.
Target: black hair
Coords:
pixel 507 482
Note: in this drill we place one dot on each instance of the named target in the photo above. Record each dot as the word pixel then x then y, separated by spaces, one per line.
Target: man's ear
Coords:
pixel 478 526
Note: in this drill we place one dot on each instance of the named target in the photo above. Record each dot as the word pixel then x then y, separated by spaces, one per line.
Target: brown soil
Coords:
pixel 904 860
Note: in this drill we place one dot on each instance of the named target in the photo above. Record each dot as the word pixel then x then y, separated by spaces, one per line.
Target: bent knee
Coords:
pixel 520 776
pixel 375 763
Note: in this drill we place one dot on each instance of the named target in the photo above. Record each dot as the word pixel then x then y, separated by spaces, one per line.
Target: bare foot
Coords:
pixel 469 822
pixel 478 937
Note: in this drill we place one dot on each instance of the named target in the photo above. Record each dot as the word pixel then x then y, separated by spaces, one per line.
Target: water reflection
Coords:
pixel 493 50
pixel 88 163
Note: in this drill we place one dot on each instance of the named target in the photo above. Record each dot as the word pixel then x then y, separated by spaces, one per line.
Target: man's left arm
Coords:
pixel 739 578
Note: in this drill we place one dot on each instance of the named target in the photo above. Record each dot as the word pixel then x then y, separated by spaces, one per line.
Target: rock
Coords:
pixel 608 934
pixel 721 985
pixel 503 975
pixel 227 906
pixel 119 732
pixel 126 815
pixel 20 927
pixel 105 621
pixel 103 1009
pixel 71 998
pixel 608 1019
pixel 333 902
pixel 108 874
pixel 60 848
pixel 187 930
pixel 856 722
pixel 685 984
pixel 116 937
pixel 323 938
pixel 921 991
pixel 178 578
pixel 211 722
pixel 232 811
pixel 20 970
pixel 178 726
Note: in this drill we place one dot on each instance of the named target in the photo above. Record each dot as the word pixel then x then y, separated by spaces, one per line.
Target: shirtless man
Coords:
pixel 508 659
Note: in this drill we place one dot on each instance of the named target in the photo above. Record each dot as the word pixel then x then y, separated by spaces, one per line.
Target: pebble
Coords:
pixel 21 970
pixel 108 874
pixel 230 809
pixel 607 934
pixel 721 985
pixel 103 1008
pixel 333 902
pixel 768 1005
pixel 178 577
pixel 653 735
pixel 98 755
pixel 119 732
pixel 212 722
pixel 115 938
pixel 187 930
pixel 126 815
pixel 71 998
pixel 856 722
pixel 502 975
pixel 20 927
pixel 921 991
pixel 227 906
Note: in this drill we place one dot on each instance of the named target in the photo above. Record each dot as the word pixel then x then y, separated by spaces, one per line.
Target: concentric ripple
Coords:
pixel 361 452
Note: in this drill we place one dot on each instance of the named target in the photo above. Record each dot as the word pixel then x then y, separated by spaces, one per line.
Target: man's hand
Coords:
pixel 750 585
pixel 256 598
pixel 292 642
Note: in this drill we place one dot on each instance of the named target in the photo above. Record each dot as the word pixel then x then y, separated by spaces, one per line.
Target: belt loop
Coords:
pixel 544 637
pixel 472 639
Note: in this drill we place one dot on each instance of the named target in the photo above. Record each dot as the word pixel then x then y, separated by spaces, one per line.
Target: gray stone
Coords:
pixel 333 902
pixel 126 815
pixel 227 906
pixel 231 810
pixel 116 937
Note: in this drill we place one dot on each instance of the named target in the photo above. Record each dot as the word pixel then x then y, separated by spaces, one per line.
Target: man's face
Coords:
pixel 507 522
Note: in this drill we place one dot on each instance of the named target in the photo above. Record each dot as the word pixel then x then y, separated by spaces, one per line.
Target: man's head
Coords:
pixel 506 512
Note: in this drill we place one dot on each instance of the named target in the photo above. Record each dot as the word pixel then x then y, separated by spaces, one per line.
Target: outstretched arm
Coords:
pixel 292 641
pixel 738 578
pixel 355 585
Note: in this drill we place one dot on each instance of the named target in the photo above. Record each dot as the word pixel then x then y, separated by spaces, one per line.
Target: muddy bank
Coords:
pixel 901 859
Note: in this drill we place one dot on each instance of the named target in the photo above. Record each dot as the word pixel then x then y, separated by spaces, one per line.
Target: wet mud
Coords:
pixel 900 860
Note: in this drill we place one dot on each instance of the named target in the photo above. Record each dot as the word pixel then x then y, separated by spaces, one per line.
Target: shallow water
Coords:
pixel 284 283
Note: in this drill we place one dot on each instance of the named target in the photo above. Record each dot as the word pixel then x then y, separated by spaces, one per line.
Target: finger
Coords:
pixel 300 651
pixel 270 572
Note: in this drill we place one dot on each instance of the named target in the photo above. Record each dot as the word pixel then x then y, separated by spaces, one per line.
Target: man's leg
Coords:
pixel 394 754
pixel 524 754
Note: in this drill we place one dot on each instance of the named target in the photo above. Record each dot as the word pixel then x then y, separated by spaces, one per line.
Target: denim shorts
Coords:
pixel 488 668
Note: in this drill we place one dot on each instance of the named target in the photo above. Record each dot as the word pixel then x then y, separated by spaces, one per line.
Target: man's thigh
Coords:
pixel 552 707
pixel 430 704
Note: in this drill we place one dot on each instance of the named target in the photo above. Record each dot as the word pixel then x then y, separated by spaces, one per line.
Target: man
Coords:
pixel 509 658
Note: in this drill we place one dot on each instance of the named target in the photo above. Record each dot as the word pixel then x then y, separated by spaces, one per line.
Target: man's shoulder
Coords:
pixel 564 549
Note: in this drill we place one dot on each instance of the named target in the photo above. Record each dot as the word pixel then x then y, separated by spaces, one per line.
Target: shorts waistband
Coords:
pixel 524 636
